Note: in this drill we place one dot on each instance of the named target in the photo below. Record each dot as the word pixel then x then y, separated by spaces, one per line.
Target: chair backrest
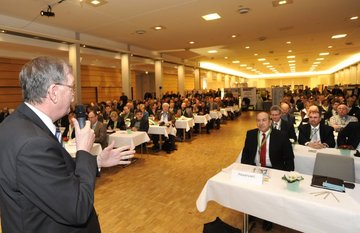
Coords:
pixel 336 166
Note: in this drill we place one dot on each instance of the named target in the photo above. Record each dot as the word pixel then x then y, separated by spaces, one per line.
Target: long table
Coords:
pixel 272 201
pixel 70 147
pixel 125 138
pixel 162 130
pixel 185 124
pixel 305 159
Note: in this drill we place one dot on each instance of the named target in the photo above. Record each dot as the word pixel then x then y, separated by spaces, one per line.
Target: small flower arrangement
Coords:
pixel 292 177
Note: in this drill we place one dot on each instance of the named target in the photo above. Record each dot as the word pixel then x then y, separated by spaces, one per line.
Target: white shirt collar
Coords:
pixel 47 121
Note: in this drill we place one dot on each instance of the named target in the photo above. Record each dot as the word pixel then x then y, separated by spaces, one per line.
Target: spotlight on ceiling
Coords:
pixel 48 13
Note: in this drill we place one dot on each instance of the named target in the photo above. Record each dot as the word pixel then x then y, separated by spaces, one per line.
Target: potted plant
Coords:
pixel 292 180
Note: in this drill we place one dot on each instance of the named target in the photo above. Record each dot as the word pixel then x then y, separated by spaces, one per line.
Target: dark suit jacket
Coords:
pixel 144 124
pixel 289 118
pixel 119 125
pixel 280 150
pixel 288 129
pixel 326 134
pixel 350 135
pixel 42 188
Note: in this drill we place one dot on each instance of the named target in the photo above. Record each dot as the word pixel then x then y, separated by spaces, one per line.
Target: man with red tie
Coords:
pixel 267 147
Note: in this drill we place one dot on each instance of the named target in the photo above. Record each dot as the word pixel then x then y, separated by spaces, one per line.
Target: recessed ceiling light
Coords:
pixel 225 57
pixel 243 65
pixel 292 64
pixel 212 16
pixel 158 28
pixel 317 62
pixel 233 36
pixel 288 42
pixel 261 59
pixel 140 32
pixel 247 47
pixel 249 68
pixel 292 56
pixel 96 2
pixel 330 47
pixel 354 17
pixel 291 61
pixel 269 66
pixel 324 54
pixel 236 62
pixel 255 54
pixel 212 51
pixel 282 2
pixel 338 36
pixel 266 63
pixel 320 59
pixel 289 51
pixel 191 42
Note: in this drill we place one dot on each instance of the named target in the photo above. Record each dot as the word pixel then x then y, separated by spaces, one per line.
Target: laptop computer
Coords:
pixel 336 166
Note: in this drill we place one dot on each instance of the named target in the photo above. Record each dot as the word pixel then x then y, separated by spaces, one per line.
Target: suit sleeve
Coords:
pixel 47 179
pixel 247 156
pixel 329 139
pixel 302 136
pixel 342 138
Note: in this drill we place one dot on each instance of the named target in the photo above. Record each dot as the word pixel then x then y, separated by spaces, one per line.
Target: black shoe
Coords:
pixel 267 226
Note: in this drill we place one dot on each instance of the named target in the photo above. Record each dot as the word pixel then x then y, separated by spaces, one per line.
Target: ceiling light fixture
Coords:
pixel 96 3
pixel 236 62
pixel 288 42
pixel 158 28
pixel 247 47
pixel 233 36
pixel 324 54
pixel 330 47
pixel 191 42
pixel 48 12
pixel 262 59
pixel 212 16
pixel 289 51
pixel 212 51
pixel 354 18
pixel 338 36
pixel 320 59
pixel 292 56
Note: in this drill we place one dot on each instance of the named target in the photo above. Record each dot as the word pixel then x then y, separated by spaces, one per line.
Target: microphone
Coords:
pixel 80 115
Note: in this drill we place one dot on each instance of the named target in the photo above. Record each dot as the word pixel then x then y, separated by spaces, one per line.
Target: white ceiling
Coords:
pixel 308 24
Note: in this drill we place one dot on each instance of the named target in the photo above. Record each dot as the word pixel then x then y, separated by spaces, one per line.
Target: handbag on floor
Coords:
pixel 218 226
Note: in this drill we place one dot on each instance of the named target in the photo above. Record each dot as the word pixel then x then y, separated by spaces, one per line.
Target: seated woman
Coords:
pixel 116 122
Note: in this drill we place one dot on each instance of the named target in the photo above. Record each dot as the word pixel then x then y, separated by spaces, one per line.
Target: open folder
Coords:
pixel 328 183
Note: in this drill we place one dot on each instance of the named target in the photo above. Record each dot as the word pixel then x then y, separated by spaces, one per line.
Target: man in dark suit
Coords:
pixel 280 124
pixel 316 134
pixel 139 123
pixel 42 188
pixel 349 137
pixel 268 148
pixel 279 153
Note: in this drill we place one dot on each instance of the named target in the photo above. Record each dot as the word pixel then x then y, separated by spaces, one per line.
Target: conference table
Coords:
pixel 70 147
pixel 201 119
pixel 162 130
pixel 302 210
pixel 305 159
pixel 215 114
pixel 128 137
pixel 184 123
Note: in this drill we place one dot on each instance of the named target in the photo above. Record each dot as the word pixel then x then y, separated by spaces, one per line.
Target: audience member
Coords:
pixel 339 121
pixel 99 129
pixel 116 122
pixel 349 137
pixel 282 125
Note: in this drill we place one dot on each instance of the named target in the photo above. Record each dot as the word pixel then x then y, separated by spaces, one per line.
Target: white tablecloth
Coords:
pixel 70 147
pixel 202 119
pixel 223 112
pixel 123 138
pixel 162 130
pixel 215 114
pixel 184 123
pixel 272 201
pixel 305 159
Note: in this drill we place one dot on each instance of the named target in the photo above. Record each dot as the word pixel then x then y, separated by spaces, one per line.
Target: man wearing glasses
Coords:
pixel 42 188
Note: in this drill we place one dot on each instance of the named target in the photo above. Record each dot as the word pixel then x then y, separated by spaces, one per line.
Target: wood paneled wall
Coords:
pixel 98 83
pixel 10 91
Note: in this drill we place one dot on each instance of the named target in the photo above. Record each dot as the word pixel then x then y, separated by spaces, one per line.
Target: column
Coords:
pixel 227 81
pixel 126 74
pixel 158 78
pixel 181 79
pixel 197 85
pixel 74 61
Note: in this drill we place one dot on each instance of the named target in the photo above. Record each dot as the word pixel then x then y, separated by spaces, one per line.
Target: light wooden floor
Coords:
pixel 157 194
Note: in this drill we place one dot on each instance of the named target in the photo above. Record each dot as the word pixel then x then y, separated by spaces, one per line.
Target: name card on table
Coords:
pixel 247 177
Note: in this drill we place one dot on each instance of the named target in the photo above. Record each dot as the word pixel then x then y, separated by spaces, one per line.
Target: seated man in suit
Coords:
pixel 286 113
pixel 116 122
pixel 316 134
pixel 99 129
pixel 349 137
pixel 268 148
pixel 280 124
pixel 139 123
pixel 127 116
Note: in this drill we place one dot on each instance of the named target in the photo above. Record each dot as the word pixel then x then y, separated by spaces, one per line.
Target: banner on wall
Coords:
pixel 277 95
pixel 249 92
